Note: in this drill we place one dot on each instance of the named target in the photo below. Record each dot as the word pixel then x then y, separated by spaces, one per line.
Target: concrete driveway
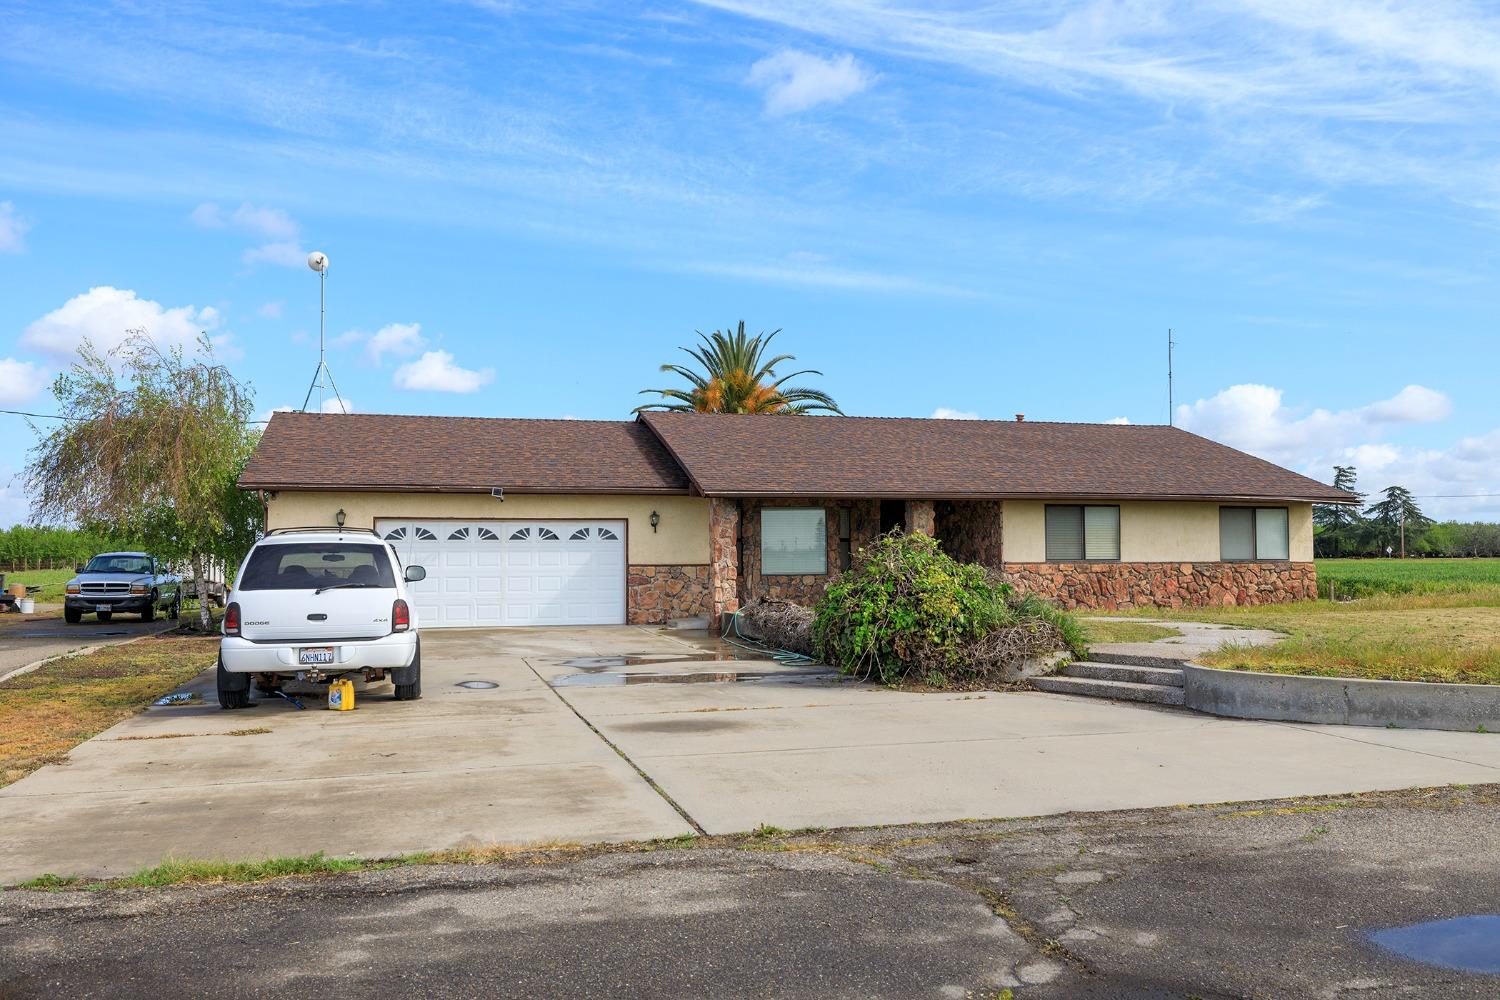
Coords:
pixel 562 746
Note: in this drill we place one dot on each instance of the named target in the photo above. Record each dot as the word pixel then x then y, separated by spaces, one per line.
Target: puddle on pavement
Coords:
pixel 1468 944
pixel 589 680
pixel 646 660
pixel 180 698
pixel 66 635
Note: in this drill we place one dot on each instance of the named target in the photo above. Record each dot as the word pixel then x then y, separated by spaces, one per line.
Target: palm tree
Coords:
pixel 735 378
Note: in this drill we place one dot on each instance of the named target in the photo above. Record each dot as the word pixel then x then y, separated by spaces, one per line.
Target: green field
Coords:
pixel 50 580
pixel 1367 577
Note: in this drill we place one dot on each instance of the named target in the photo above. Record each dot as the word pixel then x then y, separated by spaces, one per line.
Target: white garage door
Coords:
pixel 485 573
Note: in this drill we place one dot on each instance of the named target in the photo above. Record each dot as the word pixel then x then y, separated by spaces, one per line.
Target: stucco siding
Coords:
pixel 1150 531
pixel 681 538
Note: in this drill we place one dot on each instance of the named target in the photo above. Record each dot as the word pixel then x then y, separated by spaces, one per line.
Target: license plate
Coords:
pixel 318 654
pixel 104 607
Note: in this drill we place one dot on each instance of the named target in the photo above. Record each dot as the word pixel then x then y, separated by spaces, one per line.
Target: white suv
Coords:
pixel 313 604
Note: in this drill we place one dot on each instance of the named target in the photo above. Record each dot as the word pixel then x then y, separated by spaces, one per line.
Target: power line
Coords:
pixel 57 416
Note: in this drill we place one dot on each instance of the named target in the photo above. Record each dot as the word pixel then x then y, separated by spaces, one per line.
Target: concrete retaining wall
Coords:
pixel 1245 694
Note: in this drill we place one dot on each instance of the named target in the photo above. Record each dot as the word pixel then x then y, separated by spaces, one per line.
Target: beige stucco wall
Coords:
pixel 681 537
pixel 1150 531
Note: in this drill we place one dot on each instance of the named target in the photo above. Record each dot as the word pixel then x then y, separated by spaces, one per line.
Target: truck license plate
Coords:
pixel 104 607
pixel 316 654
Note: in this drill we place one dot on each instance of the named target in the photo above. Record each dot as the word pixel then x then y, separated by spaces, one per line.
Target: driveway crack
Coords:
pixel 650 781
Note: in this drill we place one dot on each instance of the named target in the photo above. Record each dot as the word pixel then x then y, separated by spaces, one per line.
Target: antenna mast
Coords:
pixel 1171 409
pixel 318 261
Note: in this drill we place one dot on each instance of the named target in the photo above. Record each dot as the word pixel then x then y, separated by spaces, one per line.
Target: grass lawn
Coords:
pixel 1366 577
pixel 1451 637
pixel 47 712
pixel 1100 631
pixel 50 580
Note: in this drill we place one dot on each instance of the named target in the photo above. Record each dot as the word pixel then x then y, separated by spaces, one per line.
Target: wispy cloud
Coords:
pixel 13 229
pixel 274 226
pixel 795 81
pixel 948 413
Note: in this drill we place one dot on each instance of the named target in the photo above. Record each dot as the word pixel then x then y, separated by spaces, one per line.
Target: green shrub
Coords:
pixel 907 609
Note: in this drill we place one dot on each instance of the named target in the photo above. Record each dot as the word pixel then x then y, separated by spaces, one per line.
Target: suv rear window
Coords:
pixel 310 565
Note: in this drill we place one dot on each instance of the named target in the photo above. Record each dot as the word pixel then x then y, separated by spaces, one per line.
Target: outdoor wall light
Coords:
pixel 340 517
pixel 655 520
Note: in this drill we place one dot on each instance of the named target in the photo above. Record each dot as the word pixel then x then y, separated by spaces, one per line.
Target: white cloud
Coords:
pixel 20 382
pixel 271 310
pixel 948 413
pixel 274 226
pixel 1254 418
pixel 105 314
pixel 1118 420
pixel 332 406
pixel 287 253
pixel 402 339
pixel 13 229
pixel 795 81
pixel 435 371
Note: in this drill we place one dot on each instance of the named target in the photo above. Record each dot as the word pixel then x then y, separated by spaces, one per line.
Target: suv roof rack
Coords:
pixel 329 529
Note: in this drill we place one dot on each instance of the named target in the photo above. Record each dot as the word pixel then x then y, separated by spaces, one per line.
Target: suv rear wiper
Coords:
pixel 341 586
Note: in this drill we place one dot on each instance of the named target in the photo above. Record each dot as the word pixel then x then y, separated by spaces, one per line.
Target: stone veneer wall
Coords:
pixel 723 558
pixel 971 530
pixel 864 525
pixel 656 594
pixel 1122 585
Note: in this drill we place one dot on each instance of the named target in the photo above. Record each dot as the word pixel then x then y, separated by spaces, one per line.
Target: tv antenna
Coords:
pixel 318 261
pixel 1171 410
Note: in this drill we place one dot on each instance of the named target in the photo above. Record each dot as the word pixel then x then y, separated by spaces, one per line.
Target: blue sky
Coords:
pixel 973 209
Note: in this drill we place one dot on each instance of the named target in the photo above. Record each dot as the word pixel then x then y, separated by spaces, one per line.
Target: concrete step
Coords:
pixel 1097 655
pixel 1165 676
pixel 1156 694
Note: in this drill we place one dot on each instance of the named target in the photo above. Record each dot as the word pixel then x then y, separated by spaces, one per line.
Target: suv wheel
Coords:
pixel 72 616
pixel 176 610
pixel 150 613
pixel 234 689
pixel 408 680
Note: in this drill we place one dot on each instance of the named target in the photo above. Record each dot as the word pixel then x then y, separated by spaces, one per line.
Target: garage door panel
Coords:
pixel 501 572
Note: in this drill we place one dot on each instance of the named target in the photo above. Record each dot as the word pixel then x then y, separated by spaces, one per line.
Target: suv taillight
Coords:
pixel 400 616
pixel 232 620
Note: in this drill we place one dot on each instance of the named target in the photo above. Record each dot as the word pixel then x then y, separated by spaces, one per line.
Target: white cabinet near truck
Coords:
pixel 501 572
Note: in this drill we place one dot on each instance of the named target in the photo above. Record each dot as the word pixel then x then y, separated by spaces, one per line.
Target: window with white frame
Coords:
pixel 793 541
pixel 1083 533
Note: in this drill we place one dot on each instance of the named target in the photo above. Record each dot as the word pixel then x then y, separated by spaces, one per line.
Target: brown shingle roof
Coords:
pixel 382 452
pixel 747 455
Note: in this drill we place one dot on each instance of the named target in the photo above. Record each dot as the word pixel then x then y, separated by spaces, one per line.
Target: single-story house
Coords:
pixel 673 515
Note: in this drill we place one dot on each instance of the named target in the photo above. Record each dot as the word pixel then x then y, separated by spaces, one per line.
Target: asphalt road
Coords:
pixel 1268 901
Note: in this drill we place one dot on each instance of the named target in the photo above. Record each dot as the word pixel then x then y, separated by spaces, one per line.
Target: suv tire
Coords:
pixel 234 689
pixel 72 616
pixel 408 680
pixel 150 613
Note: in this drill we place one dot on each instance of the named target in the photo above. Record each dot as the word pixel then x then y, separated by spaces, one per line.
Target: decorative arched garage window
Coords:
pixel 396 536
pixel 520 534
pixel 486 535
pixel 547 534
pixel 607 535
pixel 460 535
pixel 423 535
pixel 581 535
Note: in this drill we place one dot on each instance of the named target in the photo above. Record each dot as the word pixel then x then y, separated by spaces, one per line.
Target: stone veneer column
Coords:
pixel 723 558
pixel 921 515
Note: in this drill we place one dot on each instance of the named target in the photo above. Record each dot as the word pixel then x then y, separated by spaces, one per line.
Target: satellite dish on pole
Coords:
pixel 318 261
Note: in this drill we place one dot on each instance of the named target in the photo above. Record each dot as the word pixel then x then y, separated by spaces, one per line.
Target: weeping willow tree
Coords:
pixel 737 377
pixel 151 449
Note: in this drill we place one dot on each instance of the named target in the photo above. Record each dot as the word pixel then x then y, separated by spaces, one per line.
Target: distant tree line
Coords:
pixel 25 547
pixel 1394 525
